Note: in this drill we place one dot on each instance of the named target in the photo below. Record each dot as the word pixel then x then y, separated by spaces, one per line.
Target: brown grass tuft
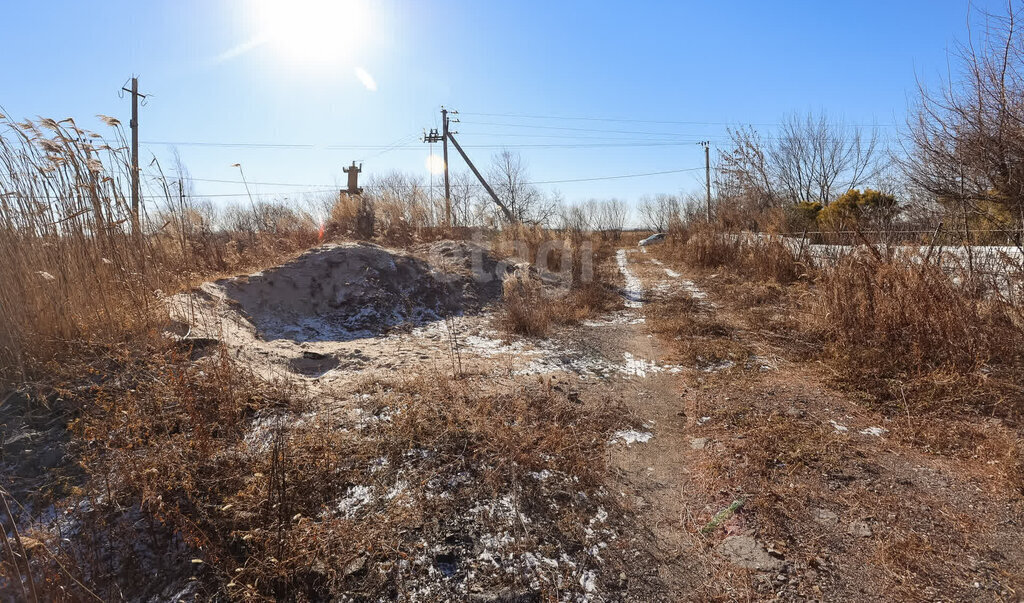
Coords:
pixel 884 320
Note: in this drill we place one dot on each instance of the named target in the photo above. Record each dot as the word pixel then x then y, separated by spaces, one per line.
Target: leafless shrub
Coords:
pixel 661 212
pixel 887 319
pixel 609 217
pixel 749 255
pixel 526 310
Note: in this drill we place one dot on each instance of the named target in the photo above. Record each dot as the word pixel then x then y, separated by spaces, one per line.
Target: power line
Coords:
pixel 387 148
pixel 334 188
pixel 616 177
pixel 653 121
pixel 567 128
pixel 392 147
pixel 569 136
pixel 691 137
pixel 254 183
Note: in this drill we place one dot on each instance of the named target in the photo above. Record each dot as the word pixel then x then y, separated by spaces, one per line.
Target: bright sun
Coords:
pixel 435 164
pixel 325 32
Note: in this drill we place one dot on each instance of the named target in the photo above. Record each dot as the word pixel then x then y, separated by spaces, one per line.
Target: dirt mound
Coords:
pixel 354 290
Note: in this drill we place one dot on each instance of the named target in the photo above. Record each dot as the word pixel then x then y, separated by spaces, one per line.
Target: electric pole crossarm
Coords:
pixel 508 214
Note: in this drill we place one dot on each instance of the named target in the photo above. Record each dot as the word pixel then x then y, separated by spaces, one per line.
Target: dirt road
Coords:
pixel 839 502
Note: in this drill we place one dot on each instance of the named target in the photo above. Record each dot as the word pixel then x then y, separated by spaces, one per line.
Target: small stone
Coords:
pixel 698 443
pixel 825 517
pixel 860 528
pixel 748 553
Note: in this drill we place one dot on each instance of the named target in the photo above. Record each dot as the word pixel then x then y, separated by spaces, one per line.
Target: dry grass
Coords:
pixel 850 510
pixel 912 322
pixel 74 272
pixel 698 338
pixel 180 463
pixel 754 257
pixel 280 499
pixel 533 309
pixel 899 328
pixel 526 309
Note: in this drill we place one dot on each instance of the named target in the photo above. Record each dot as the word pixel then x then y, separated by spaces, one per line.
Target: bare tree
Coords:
pixel 967 139
pixel 609 217
pixel 464 195
pixel 812 158
pixel 509 178
pixel 661 212
pixel 744 174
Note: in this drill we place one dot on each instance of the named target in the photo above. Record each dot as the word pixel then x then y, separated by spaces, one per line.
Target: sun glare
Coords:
pixel 435 164
pixel 317 32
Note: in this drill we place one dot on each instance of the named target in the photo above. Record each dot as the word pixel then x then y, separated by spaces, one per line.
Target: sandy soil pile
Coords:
pixel 355 290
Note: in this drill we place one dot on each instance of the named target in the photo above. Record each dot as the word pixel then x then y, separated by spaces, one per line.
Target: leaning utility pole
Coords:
pixel 134 123
pixel 494 196
pixel 446 135
pixel 707 172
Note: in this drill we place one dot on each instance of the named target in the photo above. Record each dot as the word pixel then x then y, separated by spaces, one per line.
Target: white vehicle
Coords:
pixel 651 240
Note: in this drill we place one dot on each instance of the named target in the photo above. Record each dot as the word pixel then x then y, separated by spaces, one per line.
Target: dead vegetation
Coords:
pixel 894 325
pixel 906 325
pixel 74 272
pixel 581 282
pixel 698 338
pixel 754 257
pixel 260 494
pixel 163 455
pixel 906 477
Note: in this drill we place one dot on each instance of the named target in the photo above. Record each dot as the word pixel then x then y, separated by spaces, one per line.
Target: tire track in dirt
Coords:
pixel 654 473
pixel 838 497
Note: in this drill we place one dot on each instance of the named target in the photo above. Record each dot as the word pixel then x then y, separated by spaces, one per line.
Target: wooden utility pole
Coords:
pixel 134 124
pixel 707 173
pixel 445 135
pixel 447 185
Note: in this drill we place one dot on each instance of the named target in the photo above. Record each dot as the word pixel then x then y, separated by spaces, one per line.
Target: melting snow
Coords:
pixel 719 366
pixel 639 366
pixel 631 436
pixel 694 291
pixel 668 271
pixel 634 291
pixel 588 580
pixel 874 431
pixel 617 318
pixel 355 497
pixel 839 427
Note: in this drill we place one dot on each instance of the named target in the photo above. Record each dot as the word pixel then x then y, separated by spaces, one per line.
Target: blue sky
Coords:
pixel 241 71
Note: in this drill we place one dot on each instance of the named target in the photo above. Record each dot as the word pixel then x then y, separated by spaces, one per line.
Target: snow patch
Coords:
pixel 355 497
pixel 671 273
pixel 631 436
pixel 634 290
pixel 588 580
pixel 639 366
